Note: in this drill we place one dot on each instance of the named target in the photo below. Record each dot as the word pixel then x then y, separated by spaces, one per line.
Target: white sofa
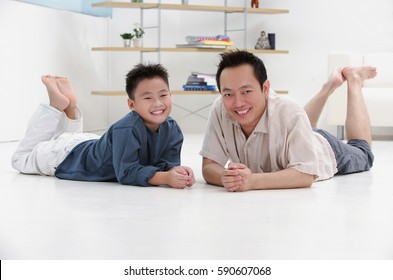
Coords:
pixel 378 92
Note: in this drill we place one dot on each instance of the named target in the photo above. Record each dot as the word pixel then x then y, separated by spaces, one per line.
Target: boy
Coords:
pixel 143 148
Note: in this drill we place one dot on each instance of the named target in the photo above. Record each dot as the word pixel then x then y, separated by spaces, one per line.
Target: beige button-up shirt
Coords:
pixel 282 139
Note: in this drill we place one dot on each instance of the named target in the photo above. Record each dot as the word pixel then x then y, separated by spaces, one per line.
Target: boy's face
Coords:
pixel 242 96
pixel 152 101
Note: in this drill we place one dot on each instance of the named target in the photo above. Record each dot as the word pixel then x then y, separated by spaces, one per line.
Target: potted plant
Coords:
pixel 127 39
pixel 138 34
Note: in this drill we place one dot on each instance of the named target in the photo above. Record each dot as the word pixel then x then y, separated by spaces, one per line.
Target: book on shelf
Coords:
pixel 195 79
pixel 218 38
pixel 205 76
pixel 200 82
pixel 202 46
pixel 216 43
pixel 196 83
pixel 219 41
pixel 199 88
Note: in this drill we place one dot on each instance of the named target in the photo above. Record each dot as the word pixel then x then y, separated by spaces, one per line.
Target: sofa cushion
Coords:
pixel 384 64
pixel 379 102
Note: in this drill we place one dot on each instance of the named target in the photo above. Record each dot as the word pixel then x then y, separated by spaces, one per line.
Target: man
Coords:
pixel 271 142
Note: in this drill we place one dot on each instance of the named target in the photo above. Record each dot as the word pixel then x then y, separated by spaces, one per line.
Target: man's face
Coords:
pixel 152 101
pixel 242 96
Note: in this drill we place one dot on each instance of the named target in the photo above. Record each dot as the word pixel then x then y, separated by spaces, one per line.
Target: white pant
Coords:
pixel 49 137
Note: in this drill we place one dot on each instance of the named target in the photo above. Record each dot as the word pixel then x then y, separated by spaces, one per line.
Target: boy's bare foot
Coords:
pixel 56 98
pixel 359 74
pixel 65 88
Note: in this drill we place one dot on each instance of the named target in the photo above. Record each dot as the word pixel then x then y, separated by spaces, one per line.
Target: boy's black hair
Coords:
pixel 239 57
pixel 142 72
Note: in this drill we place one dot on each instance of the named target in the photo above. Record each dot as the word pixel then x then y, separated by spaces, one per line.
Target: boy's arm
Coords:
pixel 127 157
pixel 178 177
pixel 172 145
pixel 126 149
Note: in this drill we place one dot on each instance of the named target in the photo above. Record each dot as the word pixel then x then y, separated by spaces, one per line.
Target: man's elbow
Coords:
pixel 308 181
pixel 211 174
pixel 206 174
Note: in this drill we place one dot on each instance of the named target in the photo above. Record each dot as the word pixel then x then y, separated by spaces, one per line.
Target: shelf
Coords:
pixel 126 49
pixel 161 6
pixel 189 7
pixel 266 11
pixel 174 92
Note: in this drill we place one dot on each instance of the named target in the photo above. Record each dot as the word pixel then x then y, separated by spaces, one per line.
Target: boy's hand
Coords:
pixel 237 178
pixel 180 177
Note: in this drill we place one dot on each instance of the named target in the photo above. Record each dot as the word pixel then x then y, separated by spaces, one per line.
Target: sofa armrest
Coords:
pixel 377 92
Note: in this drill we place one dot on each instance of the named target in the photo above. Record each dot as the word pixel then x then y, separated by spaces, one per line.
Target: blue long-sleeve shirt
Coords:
pixel 128 153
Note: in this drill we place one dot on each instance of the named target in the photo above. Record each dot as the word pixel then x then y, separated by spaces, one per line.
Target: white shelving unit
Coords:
pixel 158 49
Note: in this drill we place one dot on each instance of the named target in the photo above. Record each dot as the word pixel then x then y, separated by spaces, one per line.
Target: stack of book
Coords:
pixel 219 41
pixel 201 81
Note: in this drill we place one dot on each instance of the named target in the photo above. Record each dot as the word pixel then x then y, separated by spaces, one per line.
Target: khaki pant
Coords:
pixel 49 138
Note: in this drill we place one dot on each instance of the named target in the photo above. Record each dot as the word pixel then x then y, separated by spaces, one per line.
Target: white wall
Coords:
pixel 59 42
pixel 310 31
pixel 37 40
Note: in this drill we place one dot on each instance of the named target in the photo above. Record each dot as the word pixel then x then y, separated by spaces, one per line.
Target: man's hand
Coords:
pixel 236 178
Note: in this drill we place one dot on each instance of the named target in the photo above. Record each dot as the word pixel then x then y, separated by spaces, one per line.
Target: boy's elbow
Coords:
pixel 123 181
pixel 126 180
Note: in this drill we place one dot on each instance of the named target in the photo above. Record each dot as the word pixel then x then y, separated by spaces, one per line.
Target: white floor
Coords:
pixel 347 217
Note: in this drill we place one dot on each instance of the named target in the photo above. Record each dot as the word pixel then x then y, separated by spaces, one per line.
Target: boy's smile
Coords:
pixel 152 102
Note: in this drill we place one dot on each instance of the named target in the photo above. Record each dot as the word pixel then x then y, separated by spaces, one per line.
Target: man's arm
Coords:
pixel 239 178
pixel 288 178
pixel 212 172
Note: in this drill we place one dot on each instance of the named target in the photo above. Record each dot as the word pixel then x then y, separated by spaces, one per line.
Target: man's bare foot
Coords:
pixel 56 98
pixel 335 80
pixel 359 74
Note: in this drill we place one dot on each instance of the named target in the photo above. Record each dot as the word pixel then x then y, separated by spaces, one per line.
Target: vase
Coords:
pixel 138 42
pixel 127 43
pixel 272 40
